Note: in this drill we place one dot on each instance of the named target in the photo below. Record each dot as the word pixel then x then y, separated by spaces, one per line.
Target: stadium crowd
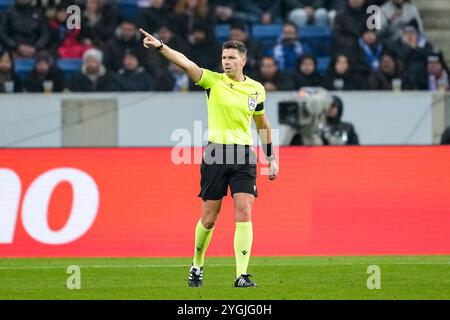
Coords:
pixel 109 46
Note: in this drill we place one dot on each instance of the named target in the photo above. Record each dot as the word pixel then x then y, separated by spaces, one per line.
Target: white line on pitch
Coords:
pixel 222 265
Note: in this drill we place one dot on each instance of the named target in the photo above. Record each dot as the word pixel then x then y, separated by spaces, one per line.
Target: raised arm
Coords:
pixel 193 71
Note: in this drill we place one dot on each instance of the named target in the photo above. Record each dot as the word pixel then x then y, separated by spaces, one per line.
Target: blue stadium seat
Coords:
pixel 4 4
pixel 222 32
pixel 322 64
pixel 315 32
pixel 23 66
pixel 69 66
pixel 267 34
pixel 128 8
pixel 318 39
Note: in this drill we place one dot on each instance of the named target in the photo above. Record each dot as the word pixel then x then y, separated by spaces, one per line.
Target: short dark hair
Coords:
pixel 234 44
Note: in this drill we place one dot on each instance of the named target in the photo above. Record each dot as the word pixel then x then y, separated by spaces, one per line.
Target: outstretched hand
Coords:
pixel 149 40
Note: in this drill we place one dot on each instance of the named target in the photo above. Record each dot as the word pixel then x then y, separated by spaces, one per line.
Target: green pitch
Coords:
pixel 402 277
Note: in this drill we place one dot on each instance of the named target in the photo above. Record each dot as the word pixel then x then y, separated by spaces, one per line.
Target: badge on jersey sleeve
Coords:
pixel 252 103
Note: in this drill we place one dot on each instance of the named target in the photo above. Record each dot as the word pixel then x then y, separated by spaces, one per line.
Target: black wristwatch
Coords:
pixel 161 46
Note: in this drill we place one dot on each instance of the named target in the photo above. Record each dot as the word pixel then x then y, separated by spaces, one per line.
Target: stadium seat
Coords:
pixel 322 64
pixel 69 66
pixel 266 34
pixel 315 32
pixel 318 39
pixel 4 4
pixel 222 32
pixel 23 66
pixel 128 8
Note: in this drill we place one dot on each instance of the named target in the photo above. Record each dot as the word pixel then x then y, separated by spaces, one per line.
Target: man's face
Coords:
pixel 5 63
pixel 332 112
pixel 307 67
pixel 128 30
pixel 165 34
pixel 268 68
pixel 356 4
pixel 289 33
pixel 93 5
pixel 130 62
pixel 92 65
pixel 435 68
pixel 199 36
pixel 238 34
pixel 157 3
pixel 409 36
pixel 387 64
pixel 61 15
pixel 232 61
pixel 370 37
pixel 42 67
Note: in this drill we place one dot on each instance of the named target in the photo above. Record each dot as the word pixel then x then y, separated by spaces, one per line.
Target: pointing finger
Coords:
pixel 145 33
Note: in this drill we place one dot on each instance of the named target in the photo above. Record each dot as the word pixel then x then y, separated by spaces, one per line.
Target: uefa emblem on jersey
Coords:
pixel 252 103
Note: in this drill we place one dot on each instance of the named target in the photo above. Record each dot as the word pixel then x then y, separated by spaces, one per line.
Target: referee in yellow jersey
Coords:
pixel 233 99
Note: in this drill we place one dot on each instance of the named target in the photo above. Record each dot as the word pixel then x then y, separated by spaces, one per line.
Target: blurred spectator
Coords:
pixel 255 52
pixel 389 75
pixel 9 80
pixel 126 37
pixel 311 12
pixel 204 50
pixel 100 19
pixel 289 48
pixel 349 24
pixel 340 75
pixel 67 43
pixel 271 78
pixel 44 77
pixel 224 10
pixel 156 63
pixel 413 50
pixel 446 136
pixel 93 76
pixel 396 14
pixel 367 55
pixel 174 79
pixel 259 11
pixel 306 74
pixel 190 12
pixel 333 7
pixel 337 131
pixel 132 76
pixel 438 73
pixel 23 29
pixel 154 16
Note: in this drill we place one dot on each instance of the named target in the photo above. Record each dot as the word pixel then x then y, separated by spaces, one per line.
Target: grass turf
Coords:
pixel 402 277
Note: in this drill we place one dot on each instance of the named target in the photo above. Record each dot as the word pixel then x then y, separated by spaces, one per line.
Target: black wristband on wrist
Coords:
pixel 267 148
pixel 161 46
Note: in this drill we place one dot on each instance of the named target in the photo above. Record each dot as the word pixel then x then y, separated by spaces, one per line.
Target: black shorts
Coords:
pixel 223 165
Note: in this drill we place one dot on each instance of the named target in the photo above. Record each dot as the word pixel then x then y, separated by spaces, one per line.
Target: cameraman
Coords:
pixel 337 132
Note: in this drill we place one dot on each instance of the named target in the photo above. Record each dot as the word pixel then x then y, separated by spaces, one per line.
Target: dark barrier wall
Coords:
pixel 136 202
